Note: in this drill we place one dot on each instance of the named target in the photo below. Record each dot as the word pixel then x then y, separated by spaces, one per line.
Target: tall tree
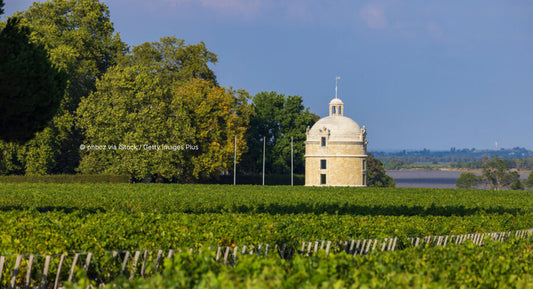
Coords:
pixel 171 124
pixel 1 7
pixel 277 118
pixel 497 174
pixel 80 39
pixel 31 88
pixel 529 182
pixel 377 177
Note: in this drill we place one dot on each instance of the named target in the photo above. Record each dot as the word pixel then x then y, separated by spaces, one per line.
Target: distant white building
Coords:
pixel 335 150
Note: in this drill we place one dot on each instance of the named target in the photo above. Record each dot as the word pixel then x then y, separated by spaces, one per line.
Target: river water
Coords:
pixel 427 179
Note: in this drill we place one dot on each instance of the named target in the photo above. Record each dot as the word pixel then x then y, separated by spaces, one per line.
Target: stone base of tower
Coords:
pixel 340 171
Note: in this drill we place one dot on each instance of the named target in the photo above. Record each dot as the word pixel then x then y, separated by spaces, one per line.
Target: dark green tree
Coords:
pixel 497 174
pixel 517 185
pixel 1 7
pixel 376 175
pixel 277 118
pixel 529 182
pixel 80 39
pixel 468 181
pixel 10 159
pixel 31 88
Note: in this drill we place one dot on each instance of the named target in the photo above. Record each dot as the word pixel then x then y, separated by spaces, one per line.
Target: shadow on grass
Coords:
pixel 303 208
pixel 44 209
pixel 350 209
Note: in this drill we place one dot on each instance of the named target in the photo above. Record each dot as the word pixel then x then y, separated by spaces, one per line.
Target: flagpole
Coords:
pixel 336 78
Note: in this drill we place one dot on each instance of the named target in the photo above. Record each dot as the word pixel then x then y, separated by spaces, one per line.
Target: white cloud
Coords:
pixel 374 16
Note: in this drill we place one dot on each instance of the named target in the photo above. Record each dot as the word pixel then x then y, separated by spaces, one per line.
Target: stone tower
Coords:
pixel 335 150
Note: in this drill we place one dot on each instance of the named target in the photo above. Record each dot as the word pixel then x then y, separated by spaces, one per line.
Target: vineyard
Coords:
pixel 107 220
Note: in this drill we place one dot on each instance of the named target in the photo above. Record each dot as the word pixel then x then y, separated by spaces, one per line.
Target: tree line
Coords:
pixel 496 175
pixel 519 164
pixel 76 99
pixel 409 162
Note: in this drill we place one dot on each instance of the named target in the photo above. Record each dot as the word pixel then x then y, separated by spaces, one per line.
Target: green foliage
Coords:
pixel 398 161
pixel 257 179
pixel 529 181
pixel 31 88
pixel 80 39
pixel 496 173
pixel 519 164
pixel 145 105
pixel 64 179
pixel 277 118
pixel 396 164
pixel 468 181
pixel 1 7
pixel 54 218
pixel 10 159
pixel 376 175
pixel 517 185
pixel 57 218
pixel 495 265
pixel 477 164
pixel 173 60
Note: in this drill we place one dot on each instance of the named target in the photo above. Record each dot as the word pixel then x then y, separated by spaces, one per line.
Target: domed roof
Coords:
pixel 340 128
pixel 336 126
pixel 336 101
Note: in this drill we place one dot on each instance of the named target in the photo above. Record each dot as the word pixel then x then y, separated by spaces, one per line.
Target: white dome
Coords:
pixel 340 128
pixel 336 101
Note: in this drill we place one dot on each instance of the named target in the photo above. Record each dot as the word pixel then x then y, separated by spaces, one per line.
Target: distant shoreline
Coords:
pixel 479 171
pixel 433 178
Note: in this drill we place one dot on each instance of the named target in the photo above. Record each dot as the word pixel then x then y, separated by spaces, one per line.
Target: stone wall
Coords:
pixel 344 163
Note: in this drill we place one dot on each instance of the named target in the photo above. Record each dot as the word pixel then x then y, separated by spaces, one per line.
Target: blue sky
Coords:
pixel 417 74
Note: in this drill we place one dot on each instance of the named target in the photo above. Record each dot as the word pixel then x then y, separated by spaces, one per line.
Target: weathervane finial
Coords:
pixel 336 78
